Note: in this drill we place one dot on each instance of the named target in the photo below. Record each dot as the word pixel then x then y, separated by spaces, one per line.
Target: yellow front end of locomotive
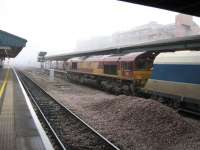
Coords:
pixel 139 75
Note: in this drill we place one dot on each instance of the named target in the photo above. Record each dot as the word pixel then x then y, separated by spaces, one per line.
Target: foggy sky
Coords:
pixel 55 25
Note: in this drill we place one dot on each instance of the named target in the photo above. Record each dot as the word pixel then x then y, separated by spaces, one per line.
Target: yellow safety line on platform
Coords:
pixel 4 83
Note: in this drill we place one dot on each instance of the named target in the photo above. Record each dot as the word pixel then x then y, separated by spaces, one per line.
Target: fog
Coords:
pixel 55 26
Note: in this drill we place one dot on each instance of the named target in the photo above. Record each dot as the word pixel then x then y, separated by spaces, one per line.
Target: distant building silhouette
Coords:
pixel 184 26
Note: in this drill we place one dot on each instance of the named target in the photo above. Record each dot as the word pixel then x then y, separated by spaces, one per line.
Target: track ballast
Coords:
pixel 69 130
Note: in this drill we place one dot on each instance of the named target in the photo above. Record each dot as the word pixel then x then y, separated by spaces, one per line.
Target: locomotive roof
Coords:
pixel 109 58
pixel 116 57
pixel 131 56
pixel 112 58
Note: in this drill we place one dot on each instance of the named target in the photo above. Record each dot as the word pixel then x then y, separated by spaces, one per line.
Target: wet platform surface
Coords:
pixel 18 129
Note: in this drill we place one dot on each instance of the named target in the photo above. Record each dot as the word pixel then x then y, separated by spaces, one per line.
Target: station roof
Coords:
pixel 190 7
pixel 174 44
pixel 10 45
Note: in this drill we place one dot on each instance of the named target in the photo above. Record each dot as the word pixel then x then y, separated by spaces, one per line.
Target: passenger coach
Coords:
pixel 176 75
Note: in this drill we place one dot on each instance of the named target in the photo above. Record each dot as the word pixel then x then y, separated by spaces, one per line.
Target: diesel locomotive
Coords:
pixel 124 73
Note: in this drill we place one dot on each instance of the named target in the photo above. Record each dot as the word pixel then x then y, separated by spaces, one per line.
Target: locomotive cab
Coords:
pixel 137 67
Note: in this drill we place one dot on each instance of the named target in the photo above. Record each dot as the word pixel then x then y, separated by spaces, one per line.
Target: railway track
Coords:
pixel 69 131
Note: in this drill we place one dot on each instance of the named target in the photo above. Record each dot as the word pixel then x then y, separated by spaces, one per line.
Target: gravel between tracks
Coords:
pixel 129 122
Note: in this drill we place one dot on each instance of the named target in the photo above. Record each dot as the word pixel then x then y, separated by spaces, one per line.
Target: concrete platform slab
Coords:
pixel 18 129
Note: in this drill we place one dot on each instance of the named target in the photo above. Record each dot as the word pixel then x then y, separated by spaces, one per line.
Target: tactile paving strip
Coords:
pixel 7 135
pixel 17 128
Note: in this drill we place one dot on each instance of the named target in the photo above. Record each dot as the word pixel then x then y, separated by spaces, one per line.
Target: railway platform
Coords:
pixel 20 128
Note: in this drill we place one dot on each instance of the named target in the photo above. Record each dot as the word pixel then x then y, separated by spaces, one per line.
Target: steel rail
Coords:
pixel 110 145
pixel 59 143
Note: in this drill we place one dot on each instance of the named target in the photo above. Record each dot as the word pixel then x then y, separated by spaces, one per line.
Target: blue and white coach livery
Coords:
pixel 177 75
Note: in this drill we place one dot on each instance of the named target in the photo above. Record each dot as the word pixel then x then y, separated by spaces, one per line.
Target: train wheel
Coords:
pixel 116 89
pixel 125 89
pixel 132 89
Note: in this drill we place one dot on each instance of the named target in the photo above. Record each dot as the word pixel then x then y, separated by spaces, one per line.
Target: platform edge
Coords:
pixel 46 142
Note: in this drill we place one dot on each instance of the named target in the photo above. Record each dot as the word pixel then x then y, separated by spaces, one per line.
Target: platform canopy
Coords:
pixel 169 45
pixel 10 45
pixel 190 7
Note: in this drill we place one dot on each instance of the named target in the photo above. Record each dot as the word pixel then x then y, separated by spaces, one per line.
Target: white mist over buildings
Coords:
pixel 152 31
